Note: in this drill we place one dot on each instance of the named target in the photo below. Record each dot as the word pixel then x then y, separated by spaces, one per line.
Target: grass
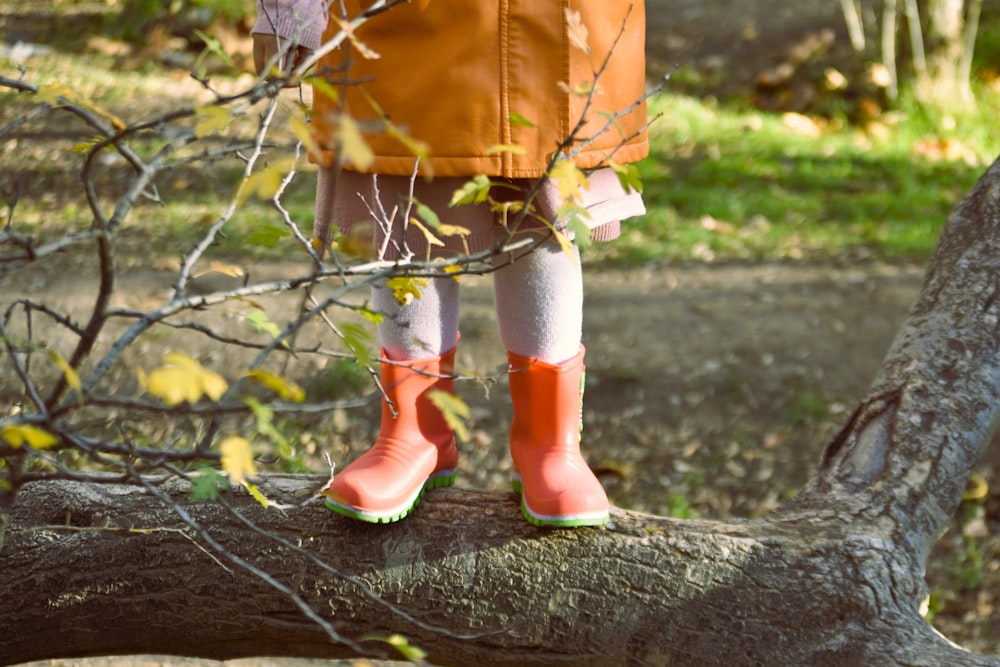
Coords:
pixel 727 184
pixel 721 183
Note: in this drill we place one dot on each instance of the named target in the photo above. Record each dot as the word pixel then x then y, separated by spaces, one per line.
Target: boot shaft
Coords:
pixel 547 400
pixel 406 404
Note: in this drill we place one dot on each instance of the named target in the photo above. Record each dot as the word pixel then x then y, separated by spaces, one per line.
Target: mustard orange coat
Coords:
pixel 460 75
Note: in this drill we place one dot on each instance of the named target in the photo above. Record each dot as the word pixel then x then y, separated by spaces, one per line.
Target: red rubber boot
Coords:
pixel 557 487
pixel 415 450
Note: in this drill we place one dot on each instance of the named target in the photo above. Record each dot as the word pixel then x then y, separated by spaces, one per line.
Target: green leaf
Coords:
pixel 472 192
pixel 261 322
pixel 576 225
pixel 357 338
pixel 214 46
pixel 628 175
pixel 427 214
pixel 518 120
pixel 265 424
pixel 612 120
pixel 372 316
pixel 322 87
pixel 206 483
pixel 266 236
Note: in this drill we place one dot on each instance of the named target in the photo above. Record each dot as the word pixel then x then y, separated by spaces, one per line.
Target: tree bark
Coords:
pixel 92 570
pixel 832 578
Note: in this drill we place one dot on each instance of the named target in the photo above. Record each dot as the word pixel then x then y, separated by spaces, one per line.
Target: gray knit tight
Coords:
pixel 539 301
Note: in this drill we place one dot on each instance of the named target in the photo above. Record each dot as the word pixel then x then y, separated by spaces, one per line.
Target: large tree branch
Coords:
pixel 901 463
pixel 115 570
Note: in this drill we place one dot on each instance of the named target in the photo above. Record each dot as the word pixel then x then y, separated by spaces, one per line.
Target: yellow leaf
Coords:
pixel 257 494
pixel 513 149
pixel 283 387
pixel 303 133
pixel 173 385
pixel 86 145
pixel 582 89
pixel 406 288
pixel 59 95
pixel 417 148
pixel 322 87
pixel 237 459
pixel 577 30
pixel 20 434
pixel 362 48
pixel 265 183
pixel 183 379
pixel 358 241
pixel 570 181
pixel 428 235
pixel 453 230
pixel 353 147
pixel 976 488
pixel 69 373
pixel 210 118
pixel 454 410
pixel 213 384
pixel 226 269
pixel 51 92
pixel 565 244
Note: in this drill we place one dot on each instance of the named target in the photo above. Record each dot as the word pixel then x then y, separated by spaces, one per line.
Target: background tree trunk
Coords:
pixel 944 81
pixel 833 578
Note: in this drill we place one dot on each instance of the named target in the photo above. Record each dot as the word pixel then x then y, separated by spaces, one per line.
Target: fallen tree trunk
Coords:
pixel 833 578
pixel 465 578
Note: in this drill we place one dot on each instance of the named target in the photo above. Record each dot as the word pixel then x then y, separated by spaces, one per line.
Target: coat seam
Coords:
pixel 505 128
pixel 565 101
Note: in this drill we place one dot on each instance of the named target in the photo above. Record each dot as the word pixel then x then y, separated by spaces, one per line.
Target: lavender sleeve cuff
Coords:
pixel 302 21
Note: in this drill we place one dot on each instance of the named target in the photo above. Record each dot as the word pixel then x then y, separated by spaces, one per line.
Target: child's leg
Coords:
pixel 425 327
pixel 539 298
pixel 540 311
pixel 415 449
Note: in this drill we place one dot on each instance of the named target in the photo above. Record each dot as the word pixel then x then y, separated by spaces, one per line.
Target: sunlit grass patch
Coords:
pixel 723 184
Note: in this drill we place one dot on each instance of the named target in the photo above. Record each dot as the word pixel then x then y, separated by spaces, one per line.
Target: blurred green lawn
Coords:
pixel 724 184
pixel 721 183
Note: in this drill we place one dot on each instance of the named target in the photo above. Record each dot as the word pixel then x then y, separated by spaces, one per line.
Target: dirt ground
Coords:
pixel 711 389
